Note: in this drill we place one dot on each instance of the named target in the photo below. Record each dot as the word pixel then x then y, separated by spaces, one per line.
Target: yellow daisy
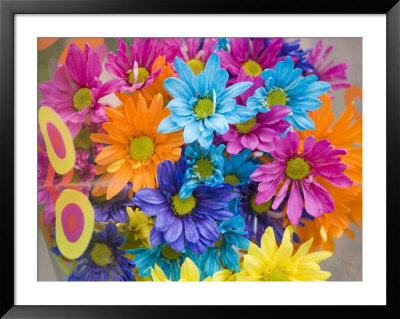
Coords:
pixel 272 263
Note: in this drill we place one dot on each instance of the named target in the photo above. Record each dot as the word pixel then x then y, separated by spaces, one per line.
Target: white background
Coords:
pixel 372 290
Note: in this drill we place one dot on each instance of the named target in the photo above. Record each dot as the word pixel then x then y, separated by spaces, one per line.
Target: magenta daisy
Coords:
pixel 194 51
pixel 75 89
pixel 134 68
pixel 258 133
pixel 331 72
pixel 253 56
pixel 297 171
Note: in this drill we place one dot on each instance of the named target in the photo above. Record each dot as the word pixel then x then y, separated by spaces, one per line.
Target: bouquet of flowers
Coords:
pixel 196 159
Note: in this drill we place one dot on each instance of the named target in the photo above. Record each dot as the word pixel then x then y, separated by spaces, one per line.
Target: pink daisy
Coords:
pixel 84 172
pixel 194 52
pixel 253 56
pixel 330 72
pixel 134 69
pixel 75 89
pixel 298 172
pixel 258 132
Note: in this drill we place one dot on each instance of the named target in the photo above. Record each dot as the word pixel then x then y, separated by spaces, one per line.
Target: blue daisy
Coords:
pixel 115 209
pixel 293 49
pixel 201 104
pixel 238 168
pixel 285 86
pixel 191 221
pixel 223 254
pixel 103 260
pixel 169 260
pixel 258 217
pixel 205 166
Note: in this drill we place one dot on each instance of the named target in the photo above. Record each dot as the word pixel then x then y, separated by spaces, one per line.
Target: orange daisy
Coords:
pixel 346 133
pixel 135 148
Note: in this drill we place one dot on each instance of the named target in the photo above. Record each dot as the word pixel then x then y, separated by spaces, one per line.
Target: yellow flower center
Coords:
pixel 82 139
pixel 169 253
pixel 141 148
pixel 246 127
pixel 219 242
pixel 143 74
pixel 184 206
pixel 196 65
pixel 276 275
pixel 101 254
pixel 204 168
pixel 252 68
pixel 204 108
pixel 232 179
pixel 297 168
pixel 260 209
pixel 82 99
pixel 276 97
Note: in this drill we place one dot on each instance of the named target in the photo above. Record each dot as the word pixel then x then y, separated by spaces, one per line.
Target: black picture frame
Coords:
pixel 8 10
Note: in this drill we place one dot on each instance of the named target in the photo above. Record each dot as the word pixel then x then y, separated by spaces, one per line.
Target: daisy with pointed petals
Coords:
pixel 169 260
pixel 190 221
pixel 298 171
pixel 238 168
pixel 251 56
pixel 75 89
pixel 272 263
pixel 194 51
pixel 103 260
pixel 258 217
pixel 257 133
pixel 201 104
pixel 135 148
pixel 205 166
pixel 285 86
pixel 223 254
pixel 330 72
pixel 134 68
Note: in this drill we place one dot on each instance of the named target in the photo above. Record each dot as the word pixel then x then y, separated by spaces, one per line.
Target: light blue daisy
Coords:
pixel 223 254
pixel 285 86
pixel 238 168
pixel 205 166
pixel 201 104
pixel 169 260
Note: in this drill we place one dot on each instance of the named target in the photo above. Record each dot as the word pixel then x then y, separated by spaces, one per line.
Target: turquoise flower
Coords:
pixel 169 260
pixel 285 86
pixel 238 168
pixel 223 254
pixel 205 166
pixel 201 104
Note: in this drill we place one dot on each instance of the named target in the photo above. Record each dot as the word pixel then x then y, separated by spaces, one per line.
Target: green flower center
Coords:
pixel 246 127
pixel 82 139
pixel 183 206
pixel 169 253
pixel 276 275
pixel 101 254
pixel 143 74
pixel 276 97
pixel 82 99
pixel 297 168
pixel 260 209
pixel 252 68
pixel 196 65
pixel 141 148
pixel 219 243
pixel 204 108
pixel 232 179
pixel 204 168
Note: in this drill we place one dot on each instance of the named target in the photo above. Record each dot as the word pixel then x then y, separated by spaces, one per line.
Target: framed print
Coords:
pixel 225 152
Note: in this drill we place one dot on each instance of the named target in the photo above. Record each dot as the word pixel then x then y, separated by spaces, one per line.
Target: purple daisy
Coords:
pixel 253 56
pixel 194 51
pixel 134 69
pixel 190 221
pixel 75 89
